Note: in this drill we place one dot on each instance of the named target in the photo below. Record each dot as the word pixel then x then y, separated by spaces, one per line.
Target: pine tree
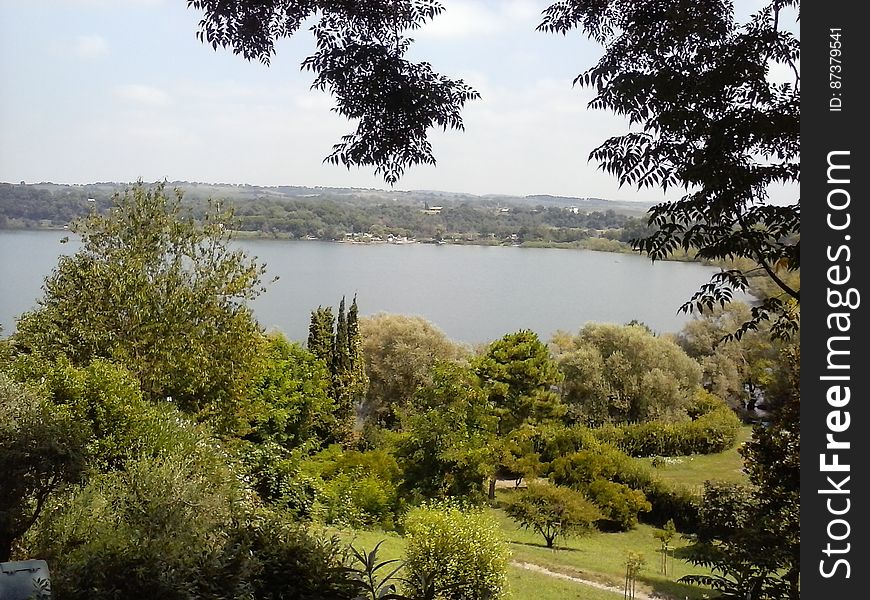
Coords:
pixel 337 341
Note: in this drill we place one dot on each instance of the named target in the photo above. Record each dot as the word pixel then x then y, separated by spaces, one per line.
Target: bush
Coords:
pixel 103 397
pixel 552 511
pixel 724 510
pixel 580 469
pixel 165 525
pixel 161 528
pixel 714 431
pixel 358 489
pixel 357 501
pixel 275 473
pixel 619 503
pixel 460 550
pixel 289 563
pixel 42 449
pixel 560 441
pixel 677 503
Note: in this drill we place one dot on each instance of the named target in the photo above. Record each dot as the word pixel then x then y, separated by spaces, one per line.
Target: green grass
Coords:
pixel 693 471
pixel 526 585
pixel 598 556
pixel 523 583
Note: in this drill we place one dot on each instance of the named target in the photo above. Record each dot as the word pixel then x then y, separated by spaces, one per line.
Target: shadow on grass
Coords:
pixel 676 590
pixel 684 552
pixel 544 546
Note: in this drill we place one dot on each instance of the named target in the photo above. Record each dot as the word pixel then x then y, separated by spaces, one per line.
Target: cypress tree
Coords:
pixel 320 334
pixel 359 377
pixel 345 413
pixel 341 350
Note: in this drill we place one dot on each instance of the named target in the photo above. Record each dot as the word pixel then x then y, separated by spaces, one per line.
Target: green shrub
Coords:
pixel 167 524
pixel 619 503
pixel 275 473
pixel 559 441
pixel 724 510
pixel 288 563
pixel 104 397
pixel 580 469
pixel 713 431
pixel 356 489
pixel 42 450
pixel 552 511
pixel 357 501
pixel 163 527
pixel 675 503
pixel 461 551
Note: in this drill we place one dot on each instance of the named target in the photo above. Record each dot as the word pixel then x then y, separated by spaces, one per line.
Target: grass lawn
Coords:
pixel 693 471
pixel 599 556
pixel 524 584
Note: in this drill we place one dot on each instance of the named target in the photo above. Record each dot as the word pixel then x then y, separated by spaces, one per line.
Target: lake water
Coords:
pixel 473 293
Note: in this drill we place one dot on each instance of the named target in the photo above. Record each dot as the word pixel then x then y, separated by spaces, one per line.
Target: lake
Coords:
pixel 473 293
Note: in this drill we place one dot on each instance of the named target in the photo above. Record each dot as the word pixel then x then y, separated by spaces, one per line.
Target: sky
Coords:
pixel 117 90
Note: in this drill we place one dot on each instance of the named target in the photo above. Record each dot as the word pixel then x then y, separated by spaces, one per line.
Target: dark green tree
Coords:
pixel 520 378
pixel 42 449
pixel 697 84
pixel 751 540
pixel 359 377
pixel 342 375
pixel 446 448
pixel 341 350
pixel 321 332
pixel 360 59
pixel 290 397
pixel 552 511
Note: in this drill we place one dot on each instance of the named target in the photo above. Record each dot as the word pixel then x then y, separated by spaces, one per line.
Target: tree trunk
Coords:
pixel 492 488
pixel 6 541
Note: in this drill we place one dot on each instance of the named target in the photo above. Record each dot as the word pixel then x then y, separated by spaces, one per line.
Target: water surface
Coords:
pixel 473 293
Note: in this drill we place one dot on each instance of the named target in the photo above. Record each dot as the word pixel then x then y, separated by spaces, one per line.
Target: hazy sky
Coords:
pixel 115 90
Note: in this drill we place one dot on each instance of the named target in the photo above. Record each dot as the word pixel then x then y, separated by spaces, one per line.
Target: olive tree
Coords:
pixel 623 373
pixel 552 511
pixel 400 352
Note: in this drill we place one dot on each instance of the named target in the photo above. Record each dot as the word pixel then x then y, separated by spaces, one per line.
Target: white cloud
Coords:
pixel 90 46
pixel 466 18
pixel 524 10
pixel 142 95
pixel 100 3
pixel 463 19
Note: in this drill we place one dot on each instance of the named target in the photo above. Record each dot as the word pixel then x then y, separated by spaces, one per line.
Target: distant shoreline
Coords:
pixel 593 244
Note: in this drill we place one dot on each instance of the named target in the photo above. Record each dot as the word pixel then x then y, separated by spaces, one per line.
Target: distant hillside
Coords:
pixel 359 196
pixel 359 215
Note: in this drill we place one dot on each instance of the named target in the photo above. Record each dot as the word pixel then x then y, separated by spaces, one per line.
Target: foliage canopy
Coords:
pixel 711 121
pixel 360 59
pixel 159 293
